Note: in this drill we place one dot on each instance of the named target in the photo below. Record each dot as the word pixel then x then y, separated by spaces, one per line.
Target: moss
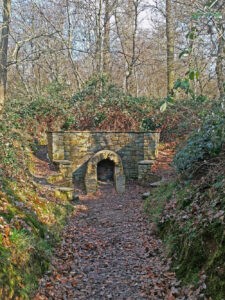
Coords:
pixel 55 178
pixel 216 277
pixel 39 228
pixel 190 260
pixel 155 203
pixel 65 194
pixel 195 242
pixel 33 227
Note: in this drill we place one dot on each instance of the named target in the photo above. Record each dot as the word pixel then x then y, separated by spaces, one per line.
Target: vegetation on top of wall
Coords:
pixel 102 105
pixel 99 105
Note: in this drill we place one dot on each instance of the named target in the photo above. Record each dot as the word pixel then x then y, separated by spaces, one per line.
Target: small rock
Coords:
pixel 156 184
pixel 153 228
pixel 145 195
pixel 76 197
pixel 174 291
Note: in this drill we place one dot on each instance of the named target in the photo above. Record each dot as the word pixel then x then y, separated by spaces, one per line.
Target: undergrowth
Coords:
pixel 31 218
pixel 207 142
pixel 190 218
pixel 190 211
pixel 29 229
pixel 30 226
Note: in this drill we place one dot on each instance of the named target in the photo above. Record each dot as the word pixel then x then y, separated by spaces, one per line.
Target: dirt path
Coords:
pixel 109 252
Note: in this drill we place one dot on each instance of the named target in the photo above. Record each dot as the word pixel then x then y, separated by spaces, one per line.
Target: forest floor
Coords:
pixel 110 250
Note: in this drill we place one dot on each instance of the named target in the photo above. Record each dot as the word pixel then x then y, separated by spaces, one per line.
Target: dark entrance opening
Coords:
pixel 105 170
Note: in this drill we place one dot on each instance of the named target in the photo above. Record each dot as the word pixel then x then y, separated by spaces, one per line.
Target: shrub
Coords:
pixel 207 142
pixel 100 101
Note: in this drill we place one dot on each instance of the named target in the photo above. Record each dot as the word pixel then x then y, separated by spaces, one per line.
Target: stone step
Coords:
pixel 64 167
pixel 52 179
pixel 62 162
pixel 64 193
pixel 60 180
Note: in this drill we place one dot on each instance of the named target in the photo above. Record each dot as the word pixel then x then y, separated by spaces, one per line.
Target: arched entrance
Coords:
pixel 101 158
pixel 105 170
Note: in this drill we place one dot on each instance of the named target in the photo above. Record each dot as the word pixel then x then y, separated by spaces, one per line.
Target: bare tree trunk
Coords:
pixel 106 40
pixel 219 67
pixel 4 51
pixel 131 65
pixel 127 28
pixel 70 47
pixel 170 34
pixel 98 55
pixel 221 58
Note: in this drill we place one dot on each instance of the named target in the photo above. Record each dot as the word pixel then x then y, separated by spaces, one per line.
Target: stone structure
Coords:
pixel 78 155
pixel 145 176
pixel 91 171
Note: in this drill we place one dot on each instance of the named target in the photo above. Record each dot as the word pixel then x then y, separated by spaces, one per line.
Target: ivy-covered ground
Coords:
pixel 189 211
pixel 31 219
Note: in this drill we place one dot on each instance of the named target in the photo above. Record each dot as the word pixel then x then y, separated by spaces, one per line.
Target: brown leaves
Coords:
pixel 119 121
pixel 108 252
pixel 5 236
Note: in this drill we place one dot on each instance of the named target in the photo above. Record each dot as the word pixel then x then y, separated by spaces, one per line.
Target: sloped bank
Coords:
pixel 31 218
pixel 192 227
pixel 30 227
pixel 190 211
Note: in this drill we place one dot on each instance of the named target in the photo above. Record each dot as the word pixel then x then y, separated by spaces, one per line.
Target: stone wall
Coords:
pixel 91 181
pixel 79 147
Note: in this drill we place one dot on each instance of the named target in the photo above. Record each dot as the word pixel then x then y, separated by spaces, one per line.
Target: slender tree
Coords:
pixel 126 18
pixel 4 51
pixel 221 52
pixel 99 36
pixel 106 38
pixel 170 34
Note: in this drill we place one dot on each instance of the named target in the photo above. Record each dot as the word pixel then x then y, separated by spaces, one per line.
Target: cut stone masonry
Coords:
pixel 78 153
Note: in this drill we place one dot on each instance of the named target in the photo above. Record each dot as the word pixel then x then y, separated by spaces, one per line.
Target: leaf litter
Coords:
pixel 109 250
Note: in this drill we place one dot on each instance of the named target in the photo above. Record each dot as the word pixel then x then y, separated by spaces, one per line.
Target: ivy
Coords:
pixel 205 143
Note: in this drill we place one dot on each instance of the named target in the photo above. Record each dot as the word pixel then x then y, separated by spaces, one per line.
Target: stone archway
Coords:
pixel 91 181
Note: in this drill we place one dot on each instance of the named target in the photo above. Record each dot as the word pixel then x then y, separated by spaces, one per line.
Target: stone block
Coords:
pixel 146 162
pixel 145 176
pixel 120 184
pixel 79 147
pixel 52 179
pixel 91 186
pixel 76 197
pixel 146 195
pixel 64 193
pixel 68 182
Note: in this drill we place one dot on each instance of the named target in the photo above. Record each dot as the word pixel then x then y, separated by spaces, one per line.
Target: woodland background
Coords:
pixel 113 65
